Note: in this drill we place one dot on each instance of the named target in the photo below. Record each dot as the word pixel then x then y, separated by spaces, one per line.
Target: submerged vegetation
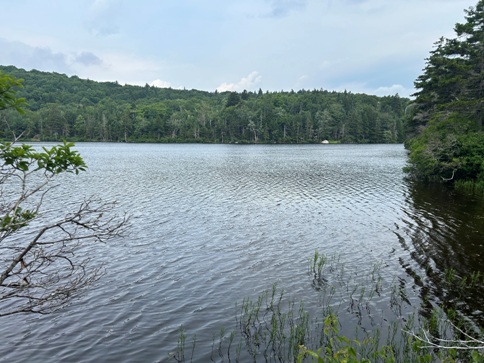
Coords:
pixel 351 322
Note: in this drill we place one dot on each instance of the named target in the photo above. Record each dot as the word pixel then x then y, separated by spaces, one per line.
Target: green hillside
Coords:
pixel 70 108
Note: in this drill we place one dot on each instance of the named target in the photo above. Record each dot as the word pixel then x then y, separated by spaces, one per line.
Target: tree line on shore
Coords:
pixel 445 134
pixel 69 108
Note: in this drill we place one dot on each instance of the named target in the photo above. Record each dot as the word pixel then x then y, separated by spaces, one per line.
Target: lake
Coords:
pixel 214 224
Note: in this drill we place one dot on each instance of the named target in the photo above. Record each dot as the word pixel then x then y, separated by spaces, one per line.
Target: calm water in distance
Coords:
pixel 213 224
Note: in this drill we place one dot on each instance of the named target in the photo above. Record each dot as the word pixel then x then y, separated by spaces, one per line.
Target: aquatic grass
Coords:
pixel 470 186
pixel 179 355
pixel 287 326
pixel 275 327
pixel 476 278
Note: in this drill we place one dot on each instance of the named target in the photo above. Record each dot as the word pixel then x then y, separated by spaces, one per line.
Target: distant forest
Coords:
pixel 74 109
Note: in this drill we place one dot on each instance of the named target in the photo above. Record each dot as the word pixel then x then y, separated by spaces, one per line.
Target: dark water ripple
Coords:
pixel 212 224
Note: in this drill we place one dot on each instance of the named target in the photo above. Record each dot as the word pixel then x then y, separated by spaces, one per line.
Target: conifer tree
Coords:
pixel 446 138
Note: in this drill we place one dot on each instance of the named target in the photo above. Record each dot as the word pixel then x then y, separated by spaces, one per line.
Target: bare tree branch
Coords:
pixel 42 264
pixel 430 341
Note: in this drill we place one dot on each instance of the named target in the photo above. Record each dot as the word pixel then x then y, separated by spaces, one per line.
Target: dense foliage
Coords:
pixel 8 90
pixel 447 137
pixel 69 108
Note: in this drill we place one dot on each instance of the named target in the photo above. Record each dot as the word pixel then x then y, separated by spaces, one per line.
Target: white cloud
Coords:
pixel 103 16
pixel 373 45
pixel 359 87
pixel 394 89
pixel 161 84
pixel 246 83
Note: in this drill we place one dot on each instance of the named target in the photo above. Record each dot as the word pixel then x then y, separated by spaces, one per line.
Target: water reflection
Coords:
pixel 445 229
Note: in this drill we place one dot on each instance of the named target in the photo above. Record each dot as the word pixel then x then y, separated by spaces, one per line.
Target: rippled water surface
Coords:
pixel 212 224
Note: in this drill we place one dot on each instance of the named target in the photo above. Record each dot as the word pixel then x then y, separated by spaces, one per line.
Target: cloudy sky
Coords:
pixel 368 46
